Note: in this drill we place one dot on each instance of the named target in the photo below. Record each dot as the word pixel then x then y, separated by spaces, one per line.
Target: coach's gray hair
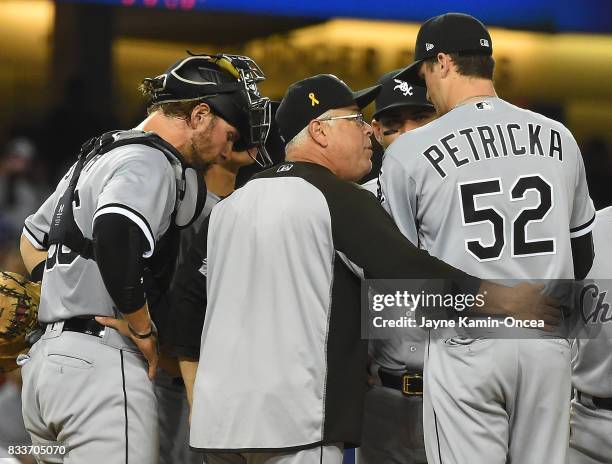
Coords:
pixel 296 141
pixel 303 135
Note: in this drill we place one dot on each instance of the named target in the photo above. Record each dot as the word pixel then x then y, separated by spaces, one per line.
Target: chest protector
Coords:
pixel 190 188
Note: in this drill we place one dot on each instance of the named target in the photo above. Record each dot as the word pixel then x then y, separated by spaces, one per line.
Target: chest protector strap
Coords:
pixel 64 230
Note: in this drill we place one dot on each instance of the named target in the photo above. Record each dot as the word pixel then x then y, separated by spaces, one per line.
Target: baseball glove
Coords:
pixel 19 300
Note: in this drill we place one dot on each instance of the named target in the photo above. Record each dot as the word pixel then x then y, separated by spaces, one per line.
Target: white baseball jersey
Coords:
pixel 490 188
pixel 135 181
pixel 592 353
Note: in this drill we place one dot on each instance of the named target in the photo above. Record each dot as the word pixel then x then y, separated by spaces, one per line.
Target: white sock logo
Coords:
pixel 403 87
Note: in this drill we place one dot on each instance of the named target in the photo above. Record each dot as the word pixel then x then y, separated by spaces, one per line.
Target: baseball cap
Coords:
pixel 309 98
pixel 447 33
pixel 396 93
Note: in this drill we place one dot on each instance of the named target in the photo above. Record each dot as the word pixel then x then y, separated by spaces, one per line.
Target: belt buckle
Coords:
pixel 96 333
pixel 412 384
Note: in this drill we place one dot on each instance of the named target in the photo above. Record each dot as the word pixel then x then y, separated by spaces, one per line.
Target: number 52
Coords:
pixel 469 191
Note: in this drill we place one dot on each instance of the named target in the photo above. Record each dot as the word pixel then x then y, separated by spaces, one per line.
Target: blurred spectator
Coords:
pixel 21 192
pixel 71 123
pixel 598 166
pixel 10 258
pixel 8 233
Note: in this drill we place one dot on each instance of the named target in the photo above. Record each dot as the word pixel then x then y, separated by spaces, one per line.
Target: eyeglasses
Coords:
pixel 358 117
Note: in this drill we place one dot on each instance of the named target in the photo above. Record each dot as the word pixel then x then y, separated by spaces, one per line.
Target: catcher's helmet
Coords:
pixel 228 83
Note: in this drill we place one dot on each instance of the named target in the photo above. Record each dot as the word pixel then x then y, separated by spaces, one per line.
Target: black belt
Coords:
pixel 84 325
pixel 600 403
pixel 409 383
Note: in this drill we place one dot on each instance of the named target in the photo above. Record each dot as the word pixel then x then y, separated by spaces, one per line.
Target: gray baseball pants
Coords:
pixel 93 398
pixel 496 401
pixel 591 435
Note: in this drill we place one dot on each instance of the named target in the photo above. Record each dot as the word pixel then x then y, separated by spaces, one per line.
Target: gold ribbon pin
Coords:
pixel 313 99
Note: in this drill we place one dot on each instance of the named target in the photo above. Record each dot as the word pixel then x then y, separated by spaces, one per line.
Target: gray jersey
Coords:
pixel 592 356
pixel 135 181
pixel 492 189
pixel 498 192
pixel 400 349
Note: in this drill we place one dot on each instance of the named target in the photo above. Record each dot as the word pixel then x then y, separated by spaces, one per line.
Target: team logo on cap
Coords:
pixel 484 42
pixel 313 99
pixel 403 87
pixel 429 46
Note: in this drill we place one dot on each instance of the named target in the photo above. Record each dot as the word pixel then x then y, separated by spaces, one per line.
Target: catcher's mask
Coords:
pixel 228 84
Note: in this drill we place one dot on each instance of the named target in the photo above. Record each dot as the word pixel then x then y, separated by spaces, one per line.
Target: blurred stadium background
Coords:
pixel 70 70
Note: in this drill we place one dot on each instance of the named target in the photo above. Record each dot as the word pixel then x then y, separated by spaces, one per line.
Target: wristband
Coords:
pixel 152 332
